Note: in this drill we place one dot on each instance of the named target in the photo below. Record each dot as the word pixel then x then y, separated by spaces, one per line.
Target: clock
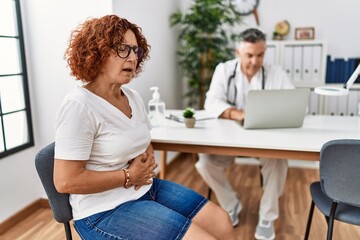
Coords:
pixel 245 7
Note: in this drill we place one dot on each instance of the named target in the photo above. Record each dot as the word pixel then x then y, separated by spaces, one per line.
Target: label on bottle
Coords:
pixel 157 114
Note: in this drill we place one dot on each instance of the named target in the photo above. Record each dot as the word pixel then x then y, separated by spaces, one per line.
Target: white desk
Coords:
pixel 226 137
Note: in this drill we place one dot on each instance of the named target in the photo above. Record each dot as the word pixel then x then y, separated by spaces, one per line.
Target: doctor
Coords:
pixel 226 98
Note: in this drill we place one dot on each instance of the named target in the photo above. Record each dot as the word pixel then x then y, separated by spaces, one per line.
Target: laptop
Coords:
pixel 285 108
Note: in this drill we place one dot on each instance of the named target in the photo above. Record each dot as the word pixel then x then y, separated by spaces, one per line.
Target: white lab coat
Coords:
pixel 216 97
pixel 212 167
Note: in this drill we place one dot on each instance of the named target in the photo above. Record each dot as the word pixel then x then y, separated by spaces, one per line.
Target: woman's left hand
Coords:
pixel 142 170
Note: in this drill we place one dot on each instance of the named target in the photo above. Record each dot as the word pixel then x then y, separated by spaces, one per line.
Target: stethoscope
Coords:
pixel 232 79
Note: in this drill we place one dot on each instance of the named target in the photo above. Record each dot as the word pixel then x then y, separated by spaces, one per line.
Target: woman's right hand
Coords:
pixel 141 170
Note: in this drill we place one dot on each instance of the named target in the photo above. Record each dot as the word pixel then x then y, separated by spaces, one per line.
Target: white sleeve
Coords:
pixel 216 98
pixel 75 131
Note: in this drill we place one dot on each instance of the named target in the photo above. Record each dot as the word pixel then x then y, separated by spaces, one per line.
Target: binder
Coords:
pixel 352 66
pixel 353 101
pixel 288 61
pixel 331 106
pixel 270 55
pixel 357 61
pixel 338 70
pixel 347 70
pixel 307 63
pixel 314 103
pixel 316 63
pixel 329 68
pixel 342 105
pixel 297 63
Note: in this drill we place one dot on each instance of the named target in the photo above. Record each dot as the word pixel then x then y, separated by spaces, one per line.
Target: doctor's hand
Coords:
pixel 233 114
pixel 237 115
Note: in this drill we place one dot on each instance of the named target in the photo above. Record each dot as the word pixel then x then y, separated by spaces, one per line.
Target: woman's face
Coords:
pixel 119 68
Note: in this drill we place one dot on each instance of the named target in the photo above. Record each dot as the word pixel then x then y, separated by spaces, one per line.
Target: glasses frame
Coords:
pixel 139 52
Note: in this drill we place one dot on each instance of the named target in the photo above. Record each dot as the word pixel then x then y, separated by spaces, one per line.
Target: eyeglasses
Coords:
pixel 124 51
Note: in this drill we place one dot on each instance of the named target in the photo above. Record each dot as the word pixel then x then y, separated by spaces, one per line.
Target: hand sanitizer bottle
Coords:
pixel 156 108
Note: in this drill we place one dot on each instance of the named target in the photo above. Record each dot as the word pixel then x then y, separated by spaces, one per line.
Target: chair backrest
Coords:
pixel 340 170
pixel 59 202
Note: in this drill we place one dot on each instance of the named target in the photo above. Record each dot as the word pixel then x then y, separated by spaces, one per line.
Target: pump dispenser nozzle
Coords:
pixel 156 94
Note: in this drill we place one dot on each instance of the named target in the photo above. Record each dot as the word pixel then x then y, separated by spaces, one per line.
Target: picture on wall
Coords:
pixel 304 33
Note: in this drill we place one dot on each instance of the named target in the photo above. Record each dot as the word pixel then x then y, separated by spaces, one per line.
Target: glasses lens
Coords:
pixel 123 51
pixel 139 52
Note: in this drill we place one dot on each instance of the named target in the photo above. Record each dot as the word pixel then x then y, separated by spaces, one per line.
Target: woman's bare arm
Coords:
pixel 72 177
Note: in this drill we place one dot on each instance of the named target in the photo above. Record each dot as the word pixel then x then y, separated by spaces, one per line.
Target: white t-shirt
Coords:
pixel 90 128
pixel 218 94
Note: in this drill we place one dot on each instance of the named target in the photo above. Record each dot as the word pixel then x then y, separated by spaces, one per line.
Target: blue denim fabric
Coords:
pixel 163 213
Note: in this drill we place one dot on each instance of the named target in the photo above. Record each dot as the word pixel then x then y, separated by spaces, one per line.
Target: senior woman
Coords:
pixel 103 155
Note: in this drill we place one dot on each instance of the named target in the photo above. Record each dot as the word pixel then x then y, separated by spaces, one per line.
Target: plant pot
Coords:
pixel 190 122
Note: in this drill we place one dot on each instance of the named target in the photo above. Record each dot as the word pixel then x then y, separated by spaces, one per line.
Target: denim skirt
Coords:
pixel 163 213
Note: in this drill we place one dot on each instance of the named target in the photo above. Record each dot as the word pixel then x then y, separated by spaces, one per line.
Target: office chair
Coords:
pixel 337 194
pixel 59 202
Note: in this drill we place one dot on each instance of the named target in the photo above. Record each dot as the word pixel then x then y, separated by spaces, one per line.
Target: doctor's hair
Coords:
pixel 251 35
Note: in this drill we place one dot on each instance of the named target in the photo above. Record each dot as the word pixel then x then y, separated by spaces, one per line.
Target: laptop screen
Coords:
pixel 285 108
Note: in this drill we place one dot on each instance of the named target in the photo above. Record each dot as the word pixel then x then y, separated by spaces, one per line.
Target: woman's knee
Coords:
pixel 215 220
pixel 197 232
pixel 225 227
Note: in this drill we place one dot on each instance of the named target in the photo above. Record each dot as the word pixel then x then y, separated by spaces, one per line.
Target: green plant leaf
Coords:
pixel 203 43
pixel 188 113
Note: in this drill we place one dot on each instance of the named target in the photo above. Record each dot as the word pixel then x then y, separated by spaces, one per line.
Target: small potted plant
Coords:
pixel 189 119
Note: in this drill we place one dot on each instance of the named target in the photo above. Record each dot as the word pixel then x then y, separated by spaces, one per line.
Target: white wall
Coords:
pixel 47 25
pixel 162 68
pixel 334 21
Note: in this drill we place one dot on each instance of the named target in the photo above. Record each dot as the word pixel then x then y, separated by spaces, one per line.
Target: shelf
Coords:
pixel 303 60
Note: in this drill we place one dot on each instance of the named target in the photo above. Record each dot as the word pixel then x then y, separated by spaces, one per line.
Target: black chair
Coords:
pixel 59 202
pixel 337 194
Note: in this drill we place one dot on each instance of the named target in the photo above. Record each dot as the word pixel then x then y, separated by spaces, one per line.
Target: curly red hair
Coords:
pixel 91 43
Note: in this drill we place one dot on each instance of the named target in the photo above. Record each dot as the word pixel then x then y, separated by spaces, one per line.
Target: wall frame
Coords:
pixel 304 33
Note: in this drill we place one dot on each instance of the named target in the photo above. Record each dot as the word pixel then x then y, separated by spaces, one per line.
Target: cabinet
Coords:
pixel 342 105
pixel 335 105
pixel 303 61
